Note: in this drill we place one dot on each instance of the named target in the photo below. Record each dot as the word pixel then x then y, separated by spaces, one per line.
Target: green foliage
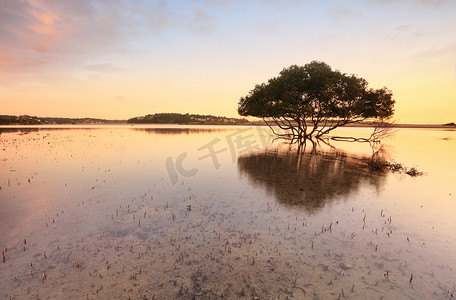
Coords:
pixel 23 120
pixel 315 93
pixel 165 118
pixel 33 120
pixel 175 118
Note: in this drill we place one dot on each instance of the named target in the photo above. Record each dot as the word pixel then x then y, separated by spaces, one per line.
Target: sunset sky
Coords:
pixel 119 59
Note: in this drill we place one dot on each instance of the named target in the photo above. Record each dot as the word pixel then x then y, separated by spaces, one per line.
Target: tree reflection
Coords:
pixel 307 179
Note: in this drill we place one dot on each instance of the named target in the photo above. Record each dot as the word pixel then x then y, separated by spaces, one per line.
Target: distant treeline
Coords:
pixel 174 118
pixel 33 120
pixel 163 118
pixel 160 118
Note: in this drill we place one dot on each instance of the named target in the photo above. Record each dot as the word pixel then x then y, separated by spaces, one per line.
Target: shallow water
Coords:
pixel 150 212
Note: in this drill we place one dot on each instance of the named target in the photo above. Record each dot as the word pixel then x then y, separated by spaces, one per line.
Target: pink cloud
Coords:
pixel 35 34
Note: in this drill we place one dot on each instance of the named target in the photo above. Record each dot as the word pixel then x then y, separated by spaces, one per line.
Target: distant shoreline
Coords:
pixel 196 120
pixel 125 124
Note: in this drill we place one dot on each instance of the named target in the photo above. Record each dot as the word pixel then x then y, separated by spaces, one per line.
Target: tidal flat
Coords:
pixel 223 212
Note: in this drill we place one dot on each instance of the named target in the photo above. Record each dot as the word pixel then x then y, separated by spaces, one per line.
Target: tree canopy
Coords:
pixel 311 100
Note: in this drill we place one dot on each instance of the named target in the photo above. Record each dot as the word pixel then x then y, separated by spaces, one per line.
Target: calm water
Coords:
pixel 210 212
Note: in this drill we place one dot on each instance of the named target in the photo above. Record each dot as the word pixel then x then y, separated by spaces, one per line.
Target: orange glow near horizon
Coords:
pixel 91 59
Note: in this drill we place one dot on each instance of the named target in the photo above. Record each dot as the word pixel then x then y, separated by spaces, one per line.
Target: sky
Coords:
pixel 117 59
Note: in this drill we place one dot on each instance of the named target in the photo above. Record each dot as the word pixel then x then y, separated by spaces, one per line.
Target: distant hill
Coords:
pixel 160 118
pixel 174 118
pixel 168 118
pixel 33 120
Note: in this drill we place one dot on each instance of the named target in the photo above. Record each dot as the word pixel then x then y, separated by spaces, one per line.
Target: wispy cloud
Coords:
pixel 435 3
pixel 202 22
pixel 103 68
pixel 38 33
pixel 216 2
pixel 340 11
pixel 403 27
pixel 441 52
